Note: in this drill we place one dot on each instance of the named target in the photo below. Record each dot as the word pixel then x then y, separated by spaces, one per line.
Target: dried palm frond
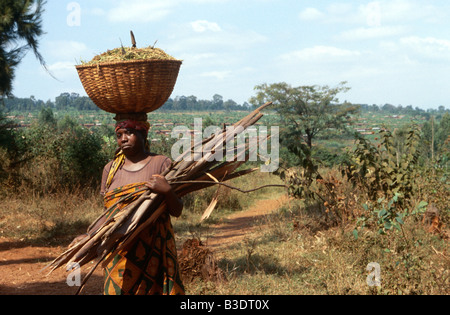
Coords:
pixel 184 175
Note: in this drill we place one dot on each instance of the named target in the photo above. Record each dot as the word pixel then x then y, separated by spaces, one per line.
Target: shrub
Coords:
pixel 385 170
pixel 47 157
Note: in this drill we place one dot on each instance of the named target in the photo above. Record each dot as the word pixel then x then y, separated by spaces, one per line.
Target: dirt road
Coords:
pixel 241 224
pixel 21 271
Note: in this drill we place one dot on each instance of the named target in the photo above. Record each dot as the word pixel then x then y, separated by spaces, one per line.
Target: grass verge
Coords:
pixel 287 255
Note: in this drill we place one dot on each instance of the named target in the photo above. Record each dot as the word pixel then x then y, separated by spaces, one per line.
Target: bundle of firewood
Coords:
pixel 185 175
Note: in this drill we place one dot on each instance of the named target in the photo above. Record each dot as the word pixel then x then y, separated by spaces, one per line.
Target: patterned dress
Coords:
pixel 149 265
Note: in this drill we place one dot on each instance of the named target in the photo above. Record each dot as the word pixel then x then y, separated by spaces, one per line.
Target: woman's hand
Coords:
pixel 159 185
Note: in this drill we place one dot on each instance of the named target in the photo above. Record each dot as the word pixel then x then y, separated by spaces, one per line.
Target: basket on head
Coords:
pixel 134 86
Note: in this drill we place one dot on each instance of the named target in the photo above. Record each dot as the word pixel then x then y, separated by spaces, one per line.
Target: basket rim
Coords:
pixel 123 62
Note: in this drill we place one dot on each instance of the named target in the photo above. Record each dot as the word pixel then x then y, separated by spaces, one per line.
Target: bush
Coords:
pixel 81 156
pixel 387 169
pixel 51 155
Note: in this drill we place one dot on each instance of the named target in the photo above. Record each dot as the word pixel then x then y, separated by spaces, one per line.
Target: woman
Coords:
pixel 149 265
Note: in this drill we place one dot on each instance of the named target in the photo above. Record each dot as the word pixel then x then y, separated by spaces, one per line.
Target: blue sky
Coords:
pixel 389 51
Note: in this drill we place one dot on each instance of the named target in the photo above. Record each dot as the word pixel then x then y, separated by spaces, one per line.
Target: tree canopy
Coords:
pixel 20 29
pixel 306 110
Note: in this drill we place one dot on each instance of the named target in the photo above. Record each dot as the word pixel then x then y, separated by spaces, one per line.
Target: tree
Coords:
pixel 47 118
pixel 306 111
pixel 388 108
pixel 180 103
pixel 62 101
pixel 217 101
pixel 20 21
pixel 230 105
pixel 191 102
pixel 436 136
pixel 168 105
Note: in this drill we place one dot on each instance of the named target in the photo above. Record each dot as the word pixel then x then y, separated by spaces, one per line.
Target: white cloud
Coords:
pixel 205 1
pixel 61 70
pixel 379 13
pixel 327 65
pixel 363 33
pixel 320 53
pixel 401 11
pixel 141 10
pixel 428 47
pixel 97 12
pixel 61 66
pixel 372 13
pixel 66 49
pixel 201 26
pixel 310 14
pixel 210 60
pixel 62 56
pixel 189 39
pixel 394 71
pixel 197 58
pixel 339 9
pixel 219 75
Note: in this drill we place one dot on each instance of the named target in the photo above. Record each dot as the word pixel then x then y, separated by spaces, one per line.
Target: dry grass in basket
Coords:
pixel 129 53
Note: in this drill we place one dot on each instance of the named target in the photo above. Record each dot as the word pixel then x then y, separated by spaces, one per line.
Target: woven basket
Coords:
pixel 135 86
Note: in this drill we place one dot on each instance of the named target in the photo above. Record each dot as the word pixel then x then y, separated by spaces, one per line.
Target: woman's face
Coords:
pixel 130 141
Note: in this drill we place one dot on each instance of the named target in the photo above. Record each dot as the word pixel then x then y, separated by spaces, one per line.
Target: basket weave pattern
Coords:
pixel 135 86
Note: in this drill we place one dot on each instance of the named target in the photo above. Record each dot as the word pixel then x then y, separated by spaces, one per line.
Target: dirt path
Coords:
pixel 21 263
pixel 21 271
pixel 241 224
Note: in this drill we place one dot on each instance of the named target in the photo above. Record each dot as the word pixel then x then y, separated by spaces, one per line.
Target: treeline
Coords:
pixel 63 101
pixel 191 103
pixel 75 101
pixel 404 110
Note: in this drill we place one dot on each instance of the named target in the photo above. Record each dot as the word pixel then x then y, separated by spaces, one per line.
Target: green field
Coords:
pixel 366 123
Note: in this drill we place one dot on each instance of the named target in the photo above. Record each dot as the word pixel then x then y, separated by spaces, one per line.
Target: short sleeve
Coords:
pixel 104 178
pixel 165 164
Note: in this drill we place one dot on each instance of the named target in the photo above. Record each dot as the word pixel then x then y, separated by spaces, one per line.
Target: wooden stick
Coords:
pixel 229 186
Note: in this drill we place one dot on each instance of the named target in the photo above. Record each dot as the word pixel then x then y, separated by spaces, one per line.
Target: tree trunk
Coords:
pixel 309 138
